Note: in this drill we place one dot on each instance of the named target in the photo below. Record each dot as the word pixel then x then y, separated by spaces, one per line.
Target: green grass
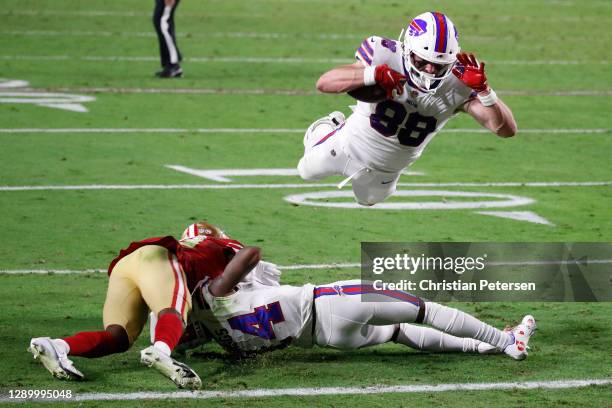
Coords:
pixel 84 229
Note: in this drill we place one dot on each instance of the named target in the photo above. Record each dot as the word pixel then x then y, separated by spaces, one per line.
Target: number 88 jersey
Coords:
pixel 392 134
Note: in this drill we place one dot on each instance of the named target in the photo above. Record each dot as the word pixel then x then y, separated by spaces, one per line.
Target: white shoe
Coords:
pixel 323 126
pixel 520 335
pixel 486 348
pixel 179 373
pixel 54 359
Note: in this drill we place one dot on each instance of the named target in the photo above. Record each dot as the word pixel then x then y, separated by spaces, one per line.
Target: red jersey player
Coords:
pixel 156 274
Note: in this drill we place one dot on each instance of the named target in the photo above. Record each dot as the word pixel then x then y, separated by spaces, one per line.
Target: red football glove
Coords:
pixel 473 74
pixel 389 79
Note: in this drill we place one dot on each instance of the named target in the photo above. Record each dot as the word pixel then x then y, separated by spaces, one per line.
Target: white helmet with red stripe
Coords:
pixel 202 228
pixel 431 37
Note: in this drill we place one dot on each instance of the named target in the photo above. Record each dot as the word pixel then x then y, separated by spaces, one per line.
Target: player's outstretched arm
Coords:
pixel 487 108
pixel 347 78
pixel 239 266
pixel 497 118
pixel 342 79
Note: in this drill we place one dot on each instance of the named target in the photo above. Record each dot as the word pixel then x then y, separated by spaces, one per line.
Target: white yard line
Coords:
pixel 295 185
pixel 338 265
pixel 50 271
pixel 268 60
pixel 272 130
pixel 165 187
pixel 67 13
pixel 210 91
pixel 289 92
pixel 213 34
pixel 319 391
pixel 240 34
pixel 126 13
pixel 151 130
pixel 102 270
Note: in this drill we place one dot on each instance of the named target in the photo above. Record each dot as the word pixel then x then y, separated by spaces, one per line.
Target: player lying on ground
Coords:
pixel 344 315
pixel 158 275
pixel 407 91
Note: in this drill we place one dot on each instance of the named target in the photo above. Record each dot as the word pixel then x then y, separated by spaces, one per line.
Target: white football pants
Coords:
pixel 351 315
pixel 325 154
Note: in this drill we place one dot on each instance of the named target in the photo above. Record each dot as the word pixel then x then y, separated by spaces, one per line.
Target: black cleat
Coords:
pixel 173 71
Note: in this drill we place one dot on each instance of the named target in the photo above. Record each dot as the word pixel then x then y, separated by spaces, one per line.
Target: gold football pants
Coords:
pixel 149 278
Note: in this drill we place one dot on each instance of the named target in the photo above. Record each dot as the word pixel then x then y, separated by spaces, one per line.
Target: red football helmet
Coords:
pixel 202 228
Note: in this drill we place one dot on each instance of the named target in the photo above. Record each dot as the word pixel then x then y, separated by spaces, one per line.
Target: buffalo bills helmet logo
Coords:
pixel 417 27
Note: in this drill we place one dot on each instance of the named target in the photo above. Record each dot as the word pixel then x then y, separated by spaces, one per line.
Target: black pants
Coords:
pixel 163 20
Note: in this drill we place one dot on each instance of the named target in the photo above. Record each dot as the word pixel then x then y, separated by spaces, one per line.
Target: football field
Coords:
pixel 97 153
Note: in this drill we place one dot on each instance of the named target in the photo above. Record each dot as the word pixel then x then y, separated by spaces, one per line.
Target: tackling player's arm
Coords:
pixel 487 108
pixel 236 269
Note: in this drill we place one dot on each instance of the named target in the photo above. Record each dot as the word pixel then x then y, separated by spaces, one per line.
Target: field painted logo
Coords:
pixel 449 200
pixel 484 203
pixel 14 91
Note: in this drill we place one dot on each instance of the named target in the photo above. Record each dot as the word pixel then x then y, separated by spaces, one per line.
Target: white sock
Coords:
pixel 461 324
pixel 163 347
pixel 428 339
pixel 62 345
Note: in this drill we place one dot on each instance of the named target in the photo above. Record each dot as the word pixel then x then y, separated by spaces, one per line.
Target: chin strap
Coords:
pixel 401 36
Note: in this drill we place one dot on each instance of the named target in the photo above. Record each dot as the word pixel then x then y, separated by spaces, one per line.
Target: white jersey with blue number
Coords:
pixel 259 320
pixel 392 134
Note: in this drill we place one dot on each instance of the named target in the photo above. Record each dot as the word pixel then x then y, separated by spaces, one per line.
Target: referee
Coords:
pixel 163 20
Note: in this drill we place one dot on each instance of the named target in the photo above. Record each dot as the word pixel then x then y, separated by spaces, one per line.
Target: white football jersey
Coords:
pixel 390 135
pixel 258 320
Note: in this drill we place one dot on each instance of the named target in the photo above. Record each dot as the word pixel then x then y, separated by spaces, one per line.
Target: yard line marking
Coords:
pixel 151 130
pixel 213 34
pixel 271 130
pixel 37 57
pixel 512 184
pixel 105 13
pixel 296 185
pixel 230 59
pixel 270 60
pixel 239 34
pixel 261 91
pixel 165 187
pixel 50 271
pixel 544 263
pixel 318 391
pixel 206 91
pixel 577 92
pixel 333 265
pixel 90 13
pixel 320 266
